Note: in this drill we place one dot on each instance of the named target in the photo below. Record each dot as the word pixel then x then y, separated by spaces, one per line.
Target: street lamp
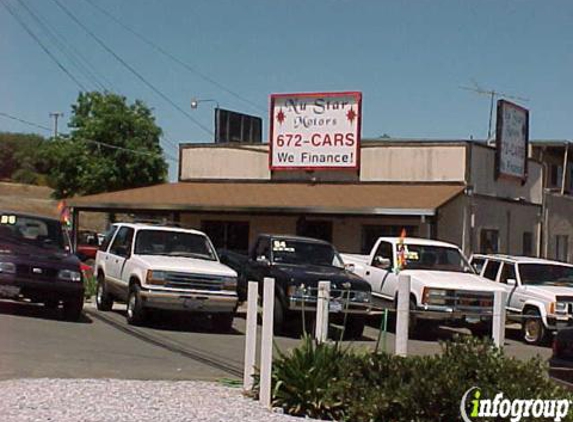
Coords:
pixel 195 104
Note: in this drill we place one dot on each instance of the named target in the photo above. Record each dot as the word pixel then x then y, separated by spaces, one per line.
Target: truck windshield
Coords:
pixel 546 274
pixel 34 231
pixel 300 252
pixel 174 243
pixel 436 258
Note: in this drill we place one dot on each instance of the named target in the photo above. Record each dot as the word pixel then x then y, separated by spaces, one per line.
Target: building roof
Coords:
pixel 273 197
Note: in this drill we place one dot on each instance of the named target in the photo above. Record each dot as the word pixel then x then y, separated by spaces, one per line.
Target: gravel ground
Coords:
pixel 64 400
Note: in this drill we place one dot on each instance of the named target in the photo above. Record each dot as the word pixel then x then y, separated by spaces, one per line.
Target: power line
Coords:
pixel 131 69
pixel 67 49
pixel 46 50
pixel 26 122
pixel 174 58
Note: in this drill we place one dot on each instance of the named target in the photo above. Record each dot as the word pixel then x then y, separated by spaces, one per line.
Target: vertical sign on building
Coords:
pixel 512 141
pixel 315 131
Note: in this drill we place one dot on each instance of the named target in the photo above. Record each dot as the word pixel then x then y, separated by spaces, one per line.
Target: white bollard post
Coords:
pixel 267 341
pixel 402 315
pixel 322 303
pixel 498 320
pixel 251 335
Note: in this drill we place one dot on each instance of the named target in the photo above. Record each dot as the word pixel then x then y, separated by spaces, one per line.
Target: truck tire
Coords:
pixel 136 314
pixel 533 330
pixel 73 308
pixel 354 327
pixel 222 322
pixel 104 302
pixel 278 316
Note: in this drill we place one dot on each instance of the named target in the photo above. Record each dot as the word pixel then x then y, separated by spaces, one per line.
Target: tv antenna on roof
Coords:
pixel 492 94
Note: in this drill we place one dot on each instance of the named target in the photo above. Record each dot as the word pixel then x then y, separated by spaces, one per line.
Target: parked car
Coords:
pixel 161 267
pixel 540 292
pixel 444 286
pixel 36 263
pixel 561 362
pixel 297 264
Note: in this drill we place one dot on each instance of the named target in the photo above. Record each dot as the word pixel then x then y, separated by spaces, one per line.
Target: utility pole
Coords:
pixel 492 94
pixel 56 115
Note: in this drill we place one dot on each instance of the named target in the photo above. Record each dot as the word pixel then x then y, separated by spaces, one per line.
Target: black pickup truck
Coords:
pixel 36 263
pixel 297 264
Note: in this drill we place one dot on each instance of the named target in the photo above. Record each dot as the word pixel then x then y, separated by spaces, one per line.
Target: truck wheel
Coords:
pixel 104 302
pixel 135 310
pixel 278 316
pixel 222 322
pixel 73 308
pixel 354 327
pixel 534 332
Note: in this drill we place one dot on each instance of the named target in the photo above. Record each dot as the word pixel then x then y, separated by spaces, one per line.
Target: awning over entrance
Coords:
pixel 273 197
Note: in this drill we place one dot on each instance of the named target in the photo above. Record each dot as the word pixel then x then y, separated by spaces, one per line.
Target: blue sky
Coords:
pixel 408 58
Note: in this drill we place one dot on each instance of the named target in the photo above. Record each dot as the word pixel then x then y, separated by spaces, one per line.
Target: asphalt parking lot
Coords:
pixel 36 343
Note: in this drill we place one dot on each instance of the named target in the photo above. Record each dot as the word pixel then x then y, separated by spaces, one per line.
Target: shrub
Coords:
pixel 321 381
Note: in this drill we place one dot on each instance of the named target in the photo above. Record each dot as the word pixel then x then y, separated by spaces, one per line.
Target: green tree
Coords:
pixel 112 145
pixel 20 157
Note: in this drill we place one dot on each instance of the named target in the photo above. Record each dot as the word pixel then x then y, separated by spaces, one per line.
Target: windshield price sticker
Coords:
pixel 8 219
pixel 281 246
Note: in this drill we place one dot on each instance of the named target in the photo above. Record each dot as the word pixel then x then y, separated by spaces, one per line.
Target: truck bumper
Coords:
pixel 447 313
pixel 335 306
pixel 38 290
pixel 189 302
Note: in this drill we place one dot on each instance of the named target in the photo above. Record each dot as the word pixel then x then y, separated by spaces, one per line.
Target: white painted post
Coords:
pixel 402 315
pixel 267 341
pixel 498 320
pixel 322 303
pixel 251 335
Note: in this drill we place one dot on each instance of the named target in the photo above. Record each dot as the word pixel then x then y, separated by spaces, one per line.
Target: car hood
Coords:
pixel 186 265
pixel 549 292
pixel 37 255
pixel 310 275
pixel 452 280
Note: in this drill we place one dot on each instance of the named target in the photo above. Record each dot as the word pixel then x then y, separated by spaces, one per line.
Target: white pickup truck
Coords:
pixel 444 286
pixel 161 267
pixel 539 292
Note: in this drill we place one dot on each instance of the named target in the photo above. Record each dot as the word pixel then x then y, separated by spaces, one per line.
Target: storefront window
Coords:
pixel 489 241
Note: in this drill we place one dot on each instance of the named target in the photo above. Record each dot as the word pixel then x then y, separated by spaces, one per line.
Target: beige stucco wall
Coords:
pixel 559 214
pixel 416 163
pixel 222 162
pixel 450 223
pixel 483 178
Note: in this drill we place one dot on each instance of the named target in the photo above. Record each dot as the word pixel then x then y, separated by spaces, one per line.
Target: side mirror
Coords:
pixel 381 262
pixel 262 260
pixel 511 282
pixel 349 267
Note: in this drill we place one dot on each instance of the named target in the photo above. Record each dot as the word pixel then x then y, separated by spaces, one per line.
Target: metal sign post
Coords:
pixel 267 341
pixel 498 320
pixel 251 335
pixel 402 315
pixel 321 332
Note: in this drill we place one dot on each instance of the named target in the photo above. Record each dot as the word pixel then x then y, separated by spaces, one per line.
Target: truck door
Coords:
pixel 381 278
pixel 513 295
pixel 119 252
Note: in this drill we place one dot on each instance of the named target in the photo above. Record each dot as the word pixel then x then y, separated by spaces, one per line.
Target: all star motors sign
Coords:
pixel 315 131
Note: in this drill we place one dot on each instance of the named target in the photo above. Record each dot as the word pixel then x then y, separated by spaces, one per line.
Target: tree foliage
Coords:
pixel 112 145
pixel 20 158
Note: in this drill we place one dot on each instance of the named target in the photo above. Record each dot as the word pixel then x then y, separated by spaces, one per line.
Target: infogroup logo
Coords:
pixel 513 410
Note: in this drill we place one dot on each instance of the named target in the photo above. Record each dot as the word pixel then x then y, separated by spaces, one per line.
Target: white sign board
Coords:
pixel 315 131
pixel 512 137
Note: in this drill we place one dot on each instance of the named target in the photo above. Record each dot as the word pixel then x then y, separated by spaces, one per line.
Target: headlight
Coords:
pixel 156 277
pixel 7 267
pixel 69 275
pixel 297 290
pixel 230 283
pixel 360 296
pixel 434 296
pixel 559 308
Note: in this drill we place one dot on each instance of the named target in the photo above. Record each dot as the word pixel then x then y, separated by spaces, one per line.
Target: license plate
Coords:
pixel 9 291
pixel 193 304
pixel 335 306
